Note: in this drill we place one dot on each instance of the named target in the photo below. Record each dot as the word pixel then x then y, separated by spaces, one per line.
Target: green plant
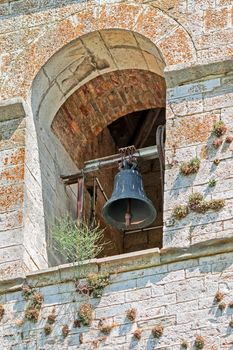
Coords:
pixel 26 291
pixel 217 143
pixel 190 167
pixel 202 207
pixel 222 306
pixel 180 211
pixel 219 128
pixel 65 330
pixel 216 204
pixel 37 298
pixel 194 200
pixel 184 344
pixel 32 313
pixel 138 333
pixel 199 342
pixel 230 305
pixel 197 203
pixel 106 327
pixel 158 330
pixel 97 282
pixel 33 310
pixel 77 242
pixel 212 183
pixel 85 314
pixel 218 296
pixel 47 329
pixel 2 311
pixel 131 314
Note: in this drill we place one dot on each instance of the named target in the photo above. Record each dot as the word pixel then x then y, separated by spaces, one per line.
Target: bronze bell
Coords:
pixel 129 207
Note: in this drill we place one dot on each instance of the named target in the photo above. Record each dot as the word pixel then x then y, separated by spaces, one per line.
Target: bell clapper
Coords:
pixel 128 214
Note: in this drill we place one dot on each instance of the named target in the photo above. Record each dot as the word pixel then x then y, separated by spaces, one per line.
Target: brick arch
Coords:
pixel 86 58
pixel 101 101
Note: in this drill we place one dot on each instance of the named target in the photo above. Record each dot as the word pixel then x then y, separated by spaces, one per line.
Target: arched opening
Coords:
pixel 115 83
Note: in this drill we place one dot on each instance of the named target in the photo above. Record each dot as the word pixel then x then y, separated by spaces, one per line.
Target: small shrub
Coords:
pixel 33 310
pixel 222 306
pixel 197 203
pixel 231 323
pixel 216 204
pixel 194 200
pixel 2 311
pixel 158 330
pixel 131 314
pixel 199 342
pixel 230 305
pixel 202 207
pixel 77 242
pixel 138 334
pixel 180 211
pixel 229 139
pixel 97 282
pixel 190 167
pixel 26 291
pixel 219 128
pixel 219 296
pixel 217 143
pixel 184 344
pixel 106 327
pixel 37 298
pixel 216 161
pixel 47 329
pixel 212 183
pixel 85 314
pixel 51 318
pixel 65 330
pixel 32 313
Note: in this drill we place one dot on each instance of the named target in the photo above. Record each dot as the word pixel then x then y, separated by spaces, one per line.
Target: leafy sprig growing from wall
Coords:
pixel 32 312
pixel 77 242
pixel 219 128
pixel 94 285
pixel 190 167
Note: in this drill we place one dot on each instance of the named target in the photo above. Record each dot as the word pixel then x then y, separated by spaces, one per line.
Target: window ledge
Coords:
pixel 118 263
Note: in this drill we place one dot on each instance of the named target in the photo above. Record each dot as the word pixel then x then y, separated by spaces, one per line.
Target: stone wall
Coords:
pixel 192 111
pixel 171 289
pixel 12 158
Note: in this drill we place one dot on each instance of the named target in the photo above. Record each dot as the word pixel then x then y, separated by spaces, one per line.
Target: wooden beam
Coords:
pixel 146 128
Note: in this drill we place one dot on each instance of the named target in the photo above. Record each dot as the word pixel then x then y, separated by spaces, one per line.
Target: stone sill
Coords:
pixel 118 263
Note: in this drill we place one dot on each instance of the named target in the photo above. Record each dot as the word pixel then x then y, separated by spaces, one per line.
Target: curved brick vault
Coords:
pixel 86 58
pixel 100 102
